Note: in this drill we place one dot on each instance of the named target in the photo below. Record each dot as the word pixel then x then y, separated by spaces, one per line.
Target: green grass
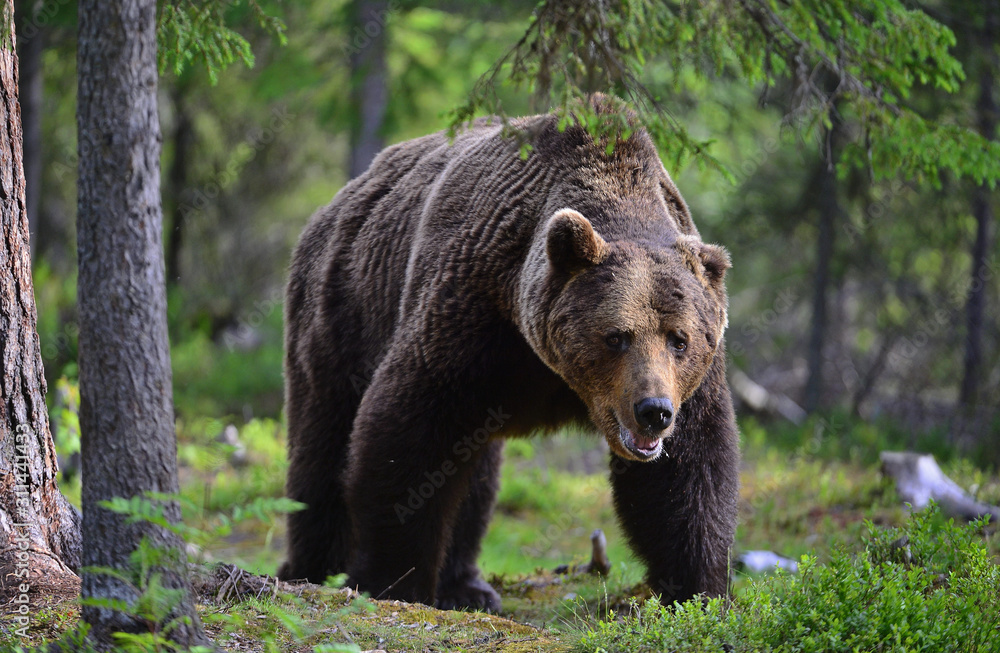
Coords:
pixel 211 379
pixel 811 491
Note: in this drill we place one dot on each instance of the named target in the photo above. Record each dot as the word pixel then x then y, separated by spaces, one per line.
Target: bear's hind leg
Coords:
pixel 459 582
pixel 319 427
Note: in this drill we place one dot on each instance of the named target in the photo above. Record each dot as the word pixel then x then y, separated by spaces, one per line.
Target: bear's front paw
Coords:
pixel 471 594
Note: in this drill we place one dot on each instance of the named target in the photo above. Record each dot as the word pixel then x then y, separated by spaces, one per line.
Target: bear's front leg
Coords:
pixel 679 512
pixel 413 449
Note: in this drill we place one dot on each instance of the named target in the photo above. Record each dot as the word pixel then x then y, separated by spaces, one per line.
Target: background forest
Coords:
pixel 863 312
pixel 847 295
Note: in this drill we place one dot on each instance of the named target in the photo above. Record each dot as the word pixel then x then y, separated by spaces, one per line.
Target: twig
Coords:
pixel 398 581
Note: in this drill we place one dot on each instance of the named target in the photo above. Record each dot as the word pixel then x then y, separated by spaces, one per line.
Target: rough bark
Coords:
pixel 982 210
pixel 39 529
pixel 369 86
pixel 126 401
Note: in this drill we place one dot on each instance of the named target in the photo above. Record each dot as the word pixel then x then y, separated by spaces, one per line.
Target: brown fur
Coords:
pixel 456 294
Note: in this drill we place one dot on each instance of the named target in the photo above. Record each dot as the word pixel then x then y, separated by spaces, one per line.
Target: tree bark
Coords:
pixel 829 209
pixel 982 210
pixel 31 43
pixel 369 86
pixel 126 400
pixel 39 529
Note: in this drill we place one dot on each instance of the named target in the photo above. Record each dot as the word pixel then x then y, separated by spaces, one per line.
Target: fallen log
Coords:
pixel 759 562
pixel 919 479
pixel 761 400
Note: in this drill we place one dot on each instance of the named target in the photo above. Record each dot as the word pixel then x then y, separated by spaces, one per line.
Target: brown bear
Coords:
pixel 458 293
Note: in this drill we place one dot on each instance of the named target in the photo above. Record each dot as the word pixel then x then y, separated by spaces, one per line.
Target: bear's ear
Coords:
pixel 708 262
pixel 571 242
pixel 715 260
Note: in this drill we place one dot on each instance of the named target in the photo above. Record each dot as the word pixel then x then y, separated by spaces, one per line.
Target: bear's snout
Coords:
pixel 654 413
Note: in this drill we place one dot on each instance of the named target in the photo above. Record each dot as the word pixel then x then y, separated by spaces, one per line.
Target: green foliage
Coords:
pixel 283 620
pixel 859 56
pixel 55 299
pixel 152 508
pixel 155 602
pixel 192 30
pixel 64 417
pixel 930 586
pixel 211 379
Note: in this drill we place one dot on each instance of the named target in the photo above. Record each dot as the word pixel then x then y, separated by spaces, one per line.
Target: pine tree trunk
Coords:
pixel 39 529
pixel 982 210
pixel 126 400
pixel 369 86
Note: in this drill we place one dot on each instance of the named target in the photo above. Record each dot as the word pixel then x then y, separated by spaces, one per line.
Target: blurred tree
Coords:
pixel 39 529
pixel 366 46
pixel 126 406
pixel 180 173
pixel 828 203
pixel 982 207
pixel 30 45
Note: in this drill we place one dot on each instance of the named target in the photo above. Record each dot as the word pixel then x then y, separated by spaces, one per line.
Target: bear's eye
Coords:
pixel 677 341
pixel 616 340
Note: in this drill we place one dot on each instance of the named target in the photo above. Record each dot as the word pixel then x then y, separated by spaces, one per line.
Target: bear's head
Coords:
pixel 632 326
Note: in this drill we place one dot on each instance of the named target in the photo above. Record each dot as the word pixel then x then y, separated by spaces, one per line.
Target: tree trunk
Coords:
pixel 126 401
pixel 31 43
pixel 39 529
pixel 829 208
pixel 369 87
pixel 178 180
pixel 982 210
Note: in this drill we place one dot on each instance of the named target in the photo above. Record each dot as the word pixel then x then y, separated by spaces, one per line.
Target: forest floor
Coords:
pixel 812 496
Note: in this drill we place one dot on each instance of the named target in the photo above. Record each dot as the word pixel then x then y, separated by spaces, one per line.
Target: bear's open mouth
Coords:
pixel 643 448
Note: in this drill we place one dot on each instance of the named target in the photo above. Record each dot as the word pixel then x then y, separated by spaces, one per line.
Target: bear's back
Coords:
pixel 351 262
pixel 465 207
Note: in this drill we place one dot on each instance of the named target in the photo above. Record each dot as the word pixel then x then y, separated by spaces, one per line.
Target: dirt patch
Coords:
pixel 50 584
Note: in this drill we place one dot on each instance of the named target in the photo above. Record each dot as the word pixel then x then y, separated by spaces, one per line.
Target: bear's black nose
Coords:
pixel 654 413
